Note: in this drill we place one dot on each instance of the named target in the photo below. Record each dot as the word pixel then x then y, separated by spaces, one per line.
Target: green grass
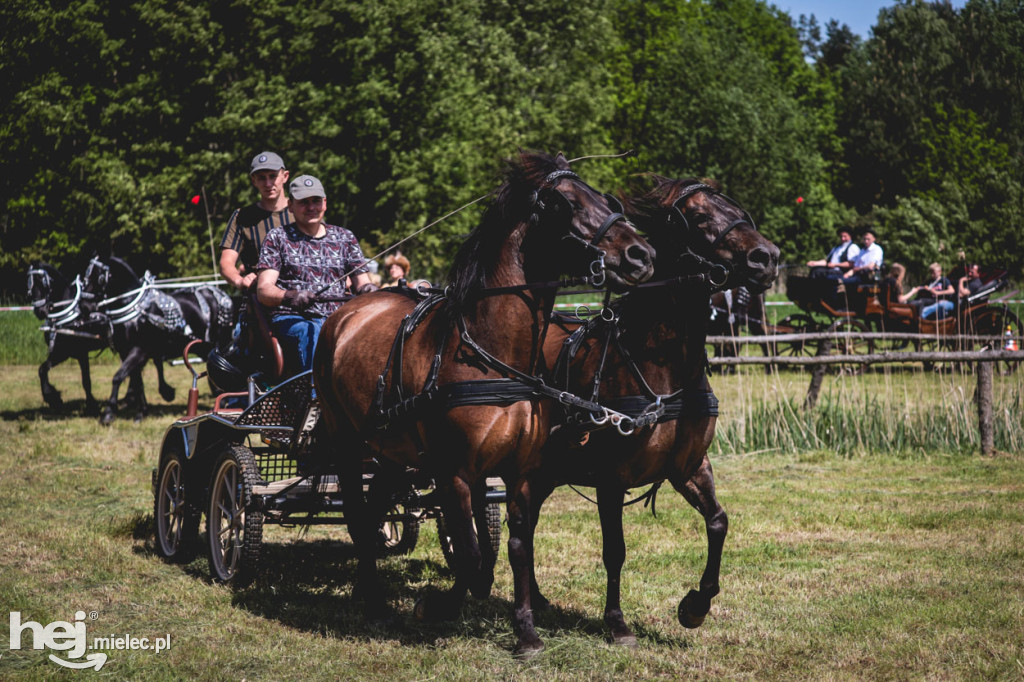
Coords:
pixel 871 564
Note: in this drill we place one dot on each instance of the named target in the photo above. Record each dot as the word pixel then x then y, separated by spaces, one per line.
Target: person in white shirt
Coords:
pixel 867 262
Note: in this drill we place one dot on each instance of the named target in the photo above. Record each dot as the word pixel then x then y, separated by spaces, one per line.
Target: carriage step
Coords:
pixel 298 484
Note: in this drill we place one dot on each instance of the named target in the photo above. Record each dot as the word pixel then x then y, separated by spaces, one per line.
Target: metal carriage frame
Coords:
pixel 245 468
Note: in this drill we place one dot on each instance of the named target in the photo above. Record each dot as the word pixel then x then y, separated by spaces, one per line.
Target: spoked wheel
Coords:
pixel 235 531
pixel 493 530
pixel 993 321
pixel 400 530
pixel 851 345
pixel 175 513
pixel 797 323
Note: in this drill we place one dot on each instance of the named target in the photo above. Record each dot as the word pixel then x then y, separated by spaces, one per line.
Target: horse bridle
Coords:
pixel 46 284
pixel 717 271
pixel 102 279
pixel 597 266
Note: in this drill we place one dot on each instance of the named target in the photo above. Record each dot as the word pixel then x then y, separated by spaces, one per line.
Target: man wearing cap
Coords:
pixel 249 225
pixel 841 257
pixel 303 263
pixel 867 262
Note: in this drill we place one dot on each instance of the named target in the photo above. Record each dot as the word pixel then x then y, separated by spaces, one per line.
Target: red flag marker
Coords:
pixel 799 200
pixel 195 200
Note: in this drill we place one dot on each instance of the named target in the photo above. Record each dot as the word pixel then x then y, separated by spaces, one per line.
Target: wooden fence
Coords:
pixel 823 357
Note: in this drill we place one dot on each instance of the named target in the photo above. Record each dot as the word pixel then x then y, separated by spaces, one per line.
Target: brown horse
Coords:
pixel 644 358
pixel 447 385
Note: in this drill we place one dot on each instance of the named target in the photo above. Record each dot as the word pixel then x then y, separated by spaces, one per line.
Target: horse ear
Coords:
pixel 561 162
pixel 614 204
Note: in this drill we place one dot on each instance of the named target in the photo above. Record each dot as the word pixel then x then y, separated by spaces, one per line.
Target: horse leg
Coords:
pixel 541 492
pixel 457 507
pixel 50 393
pixel 91 406
pixel 362 526
pixel 699 491
pixel 613 553
pixel 520 558
pixel 132 361
pixel 138 391
pixel 165 389
pixel 481 585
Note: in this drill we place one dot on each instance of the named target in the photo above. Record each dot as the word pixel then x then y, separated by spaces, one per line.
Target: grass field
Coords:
pixel 842 563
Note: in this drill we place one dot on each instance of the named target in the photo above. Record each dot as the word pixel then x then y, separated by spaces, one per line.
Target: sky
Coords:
pixel 859 15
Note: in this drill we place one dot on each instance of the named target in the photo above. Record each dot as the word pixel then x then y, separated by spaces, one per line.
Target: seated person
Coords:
pixel 971 283
pixel 397 268
pixel 892 286
pixel 302 260
pixel 935 296
pixel 839 259
pixel 867 262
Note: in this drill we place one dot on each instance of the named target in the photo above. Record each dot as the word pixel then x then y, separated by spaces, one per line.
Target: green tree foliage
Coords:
pixel 118 113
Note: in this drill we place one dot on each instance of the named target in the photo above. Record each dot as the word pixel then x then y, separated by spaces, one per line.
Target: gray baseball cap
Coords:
pixel 305 186
pixel 266 161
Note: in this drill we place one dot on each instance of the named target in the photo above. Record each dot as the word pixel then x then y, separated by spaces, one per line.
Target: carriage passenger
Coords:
pixel 935 297
pixel 839 259
pixel 248 226
pixel 304 268
pixel 866 264
pixel 971 283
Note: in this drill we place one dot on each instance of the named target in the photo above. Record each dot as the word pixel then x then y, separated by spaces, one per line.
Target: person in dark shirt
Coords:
pixel 248 226
pixel 970 284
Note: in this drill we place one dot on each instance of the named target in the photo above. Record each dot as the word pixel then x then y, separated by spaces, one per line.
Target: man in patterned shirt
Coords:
pixel 300 261
pixel 248 226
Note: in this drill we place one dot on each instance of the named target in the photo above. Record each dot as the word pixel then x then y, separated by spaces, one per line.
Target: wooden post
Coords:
pixel 985 408
pixel 817 374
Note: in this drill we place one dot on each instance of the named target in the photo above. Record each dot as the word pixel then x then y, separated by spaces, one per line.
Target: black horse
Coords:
pixel 148 323
pixel 68 331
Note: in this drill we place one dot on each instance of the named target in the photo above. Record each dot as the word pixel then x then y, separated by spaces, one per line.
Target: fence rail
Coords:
pixel 982 359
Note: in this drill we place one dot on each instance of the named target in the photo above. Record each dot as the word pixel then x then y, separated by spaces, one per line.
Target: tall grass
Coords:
pixel 899 411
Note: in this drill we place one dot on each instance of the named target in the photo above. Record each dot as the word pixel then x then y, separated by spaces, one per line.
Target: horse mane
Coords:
pixel 652 195
pixel 512 204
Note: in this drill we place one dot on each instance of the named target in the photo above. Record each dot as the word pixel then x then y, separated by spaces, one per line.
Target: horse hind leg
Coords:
pixel 165 389
pixel 132 361
pixel 613 553
pixel 699 491
pixel 457 507
pixel 521 559
pixel 91 406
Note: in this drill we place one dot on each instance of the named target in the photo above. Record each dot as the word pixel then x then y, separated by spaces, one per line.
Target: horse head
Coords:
pixel 47 287
pixel 699 229
pixel 545 222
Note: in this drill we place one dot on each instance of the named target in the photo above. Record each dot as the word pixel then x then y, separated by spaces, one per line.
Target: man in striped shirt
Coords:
pixel 248 226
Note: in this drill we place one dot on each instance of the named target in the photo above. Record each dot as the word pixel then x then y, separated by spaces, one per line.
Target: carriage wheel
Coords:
pixel 993 321
pixel 797 323
pixel 235 531
pixel 399 536
pixel 493 529
pixel 176 517
pixel 850 346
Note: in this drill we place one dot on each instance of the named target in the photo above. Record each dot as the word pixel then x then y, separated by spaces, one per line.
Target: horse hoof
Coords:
pixel 693 610
pixel 434 608
pixel 107 418
pixel 528 649
pixel 167 394
pixel 483 589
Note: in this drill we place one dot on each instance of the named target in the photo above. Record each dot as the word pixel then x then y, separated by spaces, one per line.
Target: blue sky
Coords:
pixel 859 15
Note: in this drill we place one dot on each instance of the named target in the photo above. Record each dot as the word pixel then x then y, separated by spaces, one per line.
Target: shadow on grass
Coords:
pixel 78 409
pixel 307 585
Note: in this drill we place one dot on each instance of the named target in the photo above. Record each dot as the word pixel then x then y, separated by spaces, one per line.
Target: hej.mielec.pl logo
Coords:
pixel 71 638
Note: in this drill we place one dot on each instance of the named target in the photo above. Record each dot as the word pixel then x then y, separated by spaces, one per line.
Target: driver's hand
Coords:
pixel 299 300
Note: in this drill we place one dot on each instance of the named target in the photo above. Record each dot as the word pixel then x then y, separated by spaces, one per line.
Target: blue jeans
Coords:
pixel 939 310
pixel 298 337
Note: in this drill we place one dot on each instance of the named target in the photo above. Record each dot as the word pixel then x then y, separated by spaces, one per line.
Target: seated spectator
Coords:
pixel 935 296
pixel 866 264
pixel 839 259
pixel 300 263
pixel 397 267
pixel 892 286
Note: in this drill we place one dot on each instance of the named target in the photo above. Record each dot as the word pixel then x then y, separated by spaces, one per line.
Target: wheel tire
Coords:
pixel 395 537
pixel 493 530
pixel 175 513
pixel 993 321
pixel 797 323
pixel 234 531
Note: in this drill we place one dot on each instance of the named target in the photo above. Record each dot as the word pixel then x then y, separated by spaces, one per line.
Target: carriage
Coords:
pixel 871 307
pixel 247 467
